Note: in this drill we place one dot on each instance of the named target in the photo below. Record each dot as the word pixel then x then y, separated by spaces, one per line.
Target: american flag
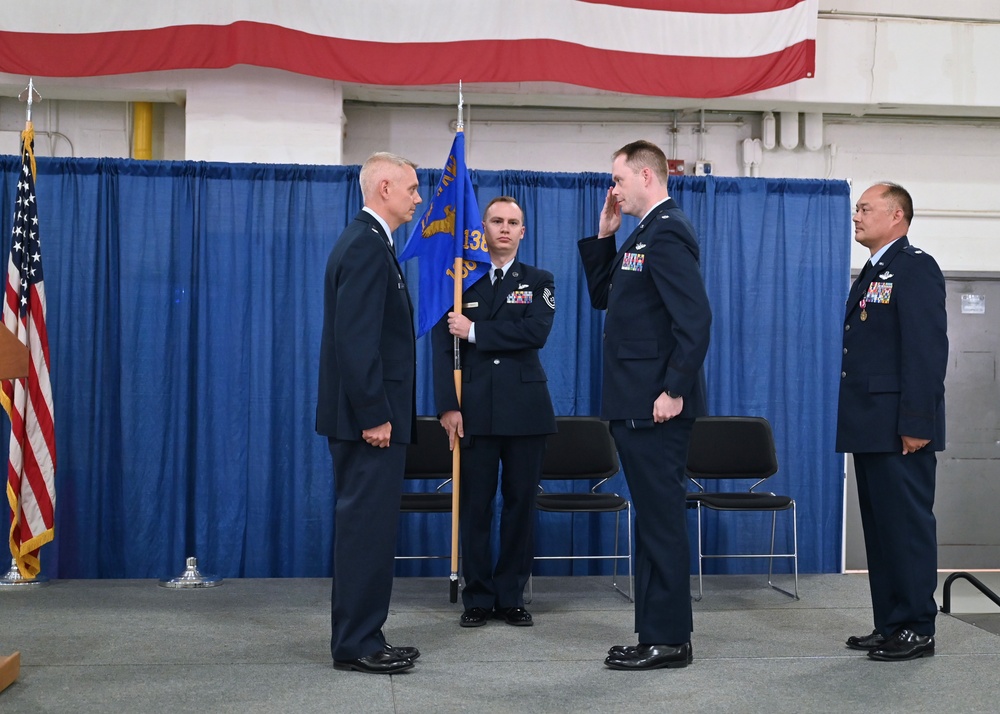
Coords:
pixel 31 468
pixel 667 48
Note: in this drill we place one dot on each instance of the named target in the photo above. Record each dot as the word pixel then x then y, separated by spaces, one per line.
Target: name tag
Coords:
pixel 633 262
pixel 468 305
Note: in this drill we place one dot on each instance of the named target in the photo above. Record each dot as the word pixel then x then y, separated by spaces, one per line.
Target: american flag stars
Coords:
pixel 25 248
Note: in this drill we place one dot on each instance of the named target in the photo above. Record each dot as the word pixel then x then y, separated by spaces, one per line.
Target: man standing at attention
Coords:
pixel 891 417
pixel 505 414
pixel 656 335
pixel 366 410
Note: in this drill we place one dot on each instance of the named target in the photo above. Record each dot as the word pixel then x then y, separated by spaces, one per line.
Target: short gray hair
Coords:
pixel 370 170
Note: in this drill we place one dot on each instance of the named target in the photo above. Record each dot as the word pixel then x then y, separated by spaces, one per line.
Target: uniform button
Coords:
pixel 845 350
pixel 496 361
pixel 846 328
pixel 843 374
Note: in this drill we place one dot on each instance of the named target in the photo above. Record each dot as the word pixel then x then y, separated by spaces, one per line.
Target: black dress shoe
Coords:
pixel 381 662
pixel 866 642
pixel 517 616
pixel 474 617
pixel 904 645
pixel 653 657
pixel 620 651
pixel 410 653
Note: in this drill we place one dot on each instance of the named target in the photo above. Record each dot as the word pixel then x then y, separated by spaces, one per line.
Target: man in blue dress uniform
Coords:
pixel 505 414
pixel 656 336
pixel 891 417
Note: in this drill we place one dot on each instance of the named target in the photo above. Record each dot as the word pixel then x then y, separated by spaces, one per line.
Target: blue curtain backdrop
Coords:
pixel 184 312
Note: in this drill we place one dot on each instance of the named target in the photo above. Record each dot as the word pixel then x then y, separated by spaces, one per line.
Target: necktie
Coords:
pixel 497 277
pixel 864 274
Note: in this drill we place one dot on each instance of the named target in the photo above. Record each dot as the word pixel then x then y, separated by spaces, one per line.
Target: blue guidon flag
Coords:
pixel 450 228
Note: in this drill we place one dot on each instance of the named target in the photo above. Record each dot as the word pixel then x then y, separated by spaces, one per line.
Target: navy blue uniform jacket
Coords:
pixel 366 362
pixel 504 387
pixel 656 331
pixel 894 362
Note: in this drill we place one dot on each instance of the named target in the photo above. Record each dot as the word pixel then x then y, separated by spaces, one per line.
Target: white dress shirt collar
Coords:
pixel 385 226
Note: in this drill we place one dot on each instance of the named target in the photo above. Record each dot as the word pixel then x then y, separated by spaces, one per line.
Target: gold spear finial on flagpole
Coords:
pixel 30 95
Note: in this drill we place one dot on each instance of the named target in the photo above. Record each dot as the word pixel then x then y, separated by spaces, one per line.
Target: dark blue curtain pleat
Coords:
pixel 184 312
pixel 775 256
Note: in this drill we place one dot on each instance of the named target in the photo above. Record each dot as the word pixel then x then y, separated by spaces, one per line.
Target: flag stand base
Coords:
pixel 14 579
pixel 192 578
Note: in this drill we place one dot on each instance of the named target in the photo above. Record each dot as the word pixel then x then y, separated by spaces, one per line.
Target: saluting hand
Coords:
pixel 611 217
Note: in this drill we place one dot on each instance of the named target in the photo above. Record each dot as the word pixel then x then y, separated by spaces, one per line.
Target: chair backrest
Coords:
pixel 731 448
pixel 582 448
pixel 429 457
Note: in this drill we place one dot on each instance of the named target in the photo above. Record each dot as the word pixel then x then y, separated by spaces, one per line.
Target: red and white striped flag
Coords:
pixel 31 488
pixel 668 48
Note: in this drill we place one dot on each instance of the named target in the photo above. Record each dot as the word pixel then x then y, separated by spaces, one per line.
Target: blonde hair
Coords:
pixel 371 173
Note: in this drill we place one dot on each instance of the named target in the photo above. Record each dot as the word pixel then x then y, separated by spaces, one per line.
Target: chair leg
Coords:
pixel 770 562
pixel 614 564
pixel 631 574
pixel 614 571
pixel 795 554
pixel 795 548
pixel 701 585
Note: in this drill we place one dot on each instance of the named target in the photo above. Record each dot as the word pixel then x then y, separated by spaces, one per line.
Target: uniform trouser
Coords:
pixel 896 496
pixel 654 461
pixel 502 586
pixel 368 486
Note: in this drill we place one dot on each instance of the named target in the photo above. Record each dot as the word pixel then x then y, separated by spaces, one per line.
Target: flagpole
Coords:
pixel 456 455
pixel 31 93
pixel 16 577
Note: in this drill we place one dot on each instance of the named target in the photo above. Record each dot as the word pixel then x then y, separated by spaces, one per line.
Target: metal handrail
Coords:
pixel 946 605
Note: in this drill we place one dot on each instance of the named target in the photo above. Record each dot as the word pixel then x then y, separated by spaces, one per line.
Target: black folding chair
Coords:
pixel 583 450
pixel 734 448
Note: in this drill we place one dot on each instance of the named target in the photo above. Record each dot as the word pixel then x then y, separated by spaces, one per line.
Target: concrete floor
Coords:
pixel 262 646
